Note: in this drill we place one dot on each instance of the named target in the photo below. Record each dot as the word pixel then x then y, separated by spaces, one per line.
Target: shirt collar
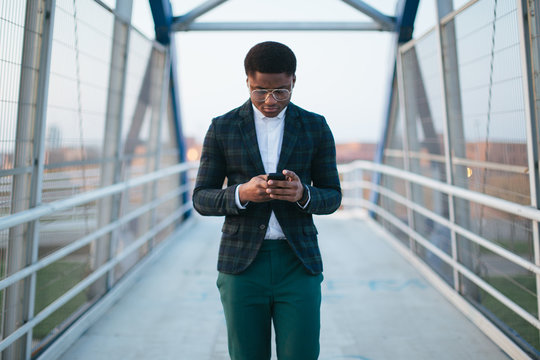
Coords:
pixel 259 115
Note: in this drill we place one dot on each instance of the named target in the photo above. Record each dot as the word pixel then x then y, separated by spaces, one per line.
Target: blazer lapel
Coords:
pixel 290 135
pixel 249 136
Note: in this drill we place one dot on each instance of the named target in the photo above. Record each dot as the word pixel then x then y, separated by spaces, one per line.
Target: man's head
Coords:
pixel 270 66
pixel 271 58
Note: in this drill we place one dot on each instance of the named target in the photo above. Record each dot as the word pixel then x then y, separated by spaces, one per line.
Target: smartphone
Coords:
pixel 276 176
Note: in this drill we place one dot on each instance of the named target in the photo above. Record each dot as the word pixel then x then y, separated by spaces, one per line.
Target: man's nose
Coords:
pixel 270 99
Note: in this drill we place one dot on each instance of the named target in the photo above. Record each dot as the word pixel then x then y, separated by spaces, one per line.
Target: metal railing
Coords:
pixel 28 216
pixel 355 183
pixel 357 180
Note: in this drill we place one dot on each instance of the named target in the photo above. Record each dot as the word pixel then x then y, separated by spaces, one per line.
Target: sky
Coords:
pixel 343 76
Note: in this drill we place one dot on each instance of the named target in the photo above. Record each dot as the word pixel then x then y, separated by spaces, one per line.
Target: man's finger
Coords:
pixel 280 191
pixel 278 183
pixel 291 175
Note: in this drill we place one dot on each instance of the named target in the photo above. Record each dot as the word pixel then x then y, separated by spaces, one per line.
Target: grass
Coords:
pixel 527 301
pixel 52 282
pixel 521 248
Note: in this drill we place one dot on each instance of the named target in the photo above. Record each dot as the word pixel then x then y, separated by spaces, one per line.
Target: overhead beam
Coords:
pixel 387 22
pixel 186 19
pixel 282 26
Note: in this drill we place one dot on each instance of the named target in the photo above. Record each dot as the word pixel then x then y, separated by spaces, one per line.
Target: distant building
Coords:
pixel 346 153
pixel 498 152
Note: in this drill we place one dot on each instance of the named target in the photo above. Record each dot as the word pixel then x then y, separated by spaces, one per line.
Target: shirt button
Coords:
pixel 262 227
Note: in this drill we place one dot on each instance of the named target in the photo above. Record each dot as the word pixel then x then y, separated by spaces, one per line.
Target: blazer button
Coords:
pixel 262 227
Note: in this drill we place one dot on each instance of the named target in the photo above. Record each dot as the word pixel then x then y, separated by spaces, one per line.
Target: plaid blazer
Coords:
pixel 231 152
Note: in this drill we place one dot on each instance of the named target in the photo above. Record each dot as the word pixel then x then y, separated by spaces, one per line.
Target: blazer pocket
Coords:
pixel 230 229
pixel 310 230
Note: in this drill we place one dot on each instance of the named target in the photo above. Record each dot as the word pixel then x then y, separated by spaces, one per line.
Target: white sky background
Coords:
pixel 344 84
pixel 341 75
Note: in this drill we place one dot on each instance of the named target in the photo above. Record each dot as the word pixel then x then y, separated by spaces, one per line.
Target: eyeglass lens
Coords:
pixel 278 94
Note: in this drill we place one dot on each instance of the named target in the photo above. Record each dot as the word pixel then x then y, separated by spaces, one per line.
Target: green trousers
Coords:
pixel 275 288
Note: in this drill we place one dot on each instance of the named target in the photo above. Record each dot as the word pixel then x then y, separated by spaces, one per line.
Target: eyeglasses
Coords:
pixel 261 95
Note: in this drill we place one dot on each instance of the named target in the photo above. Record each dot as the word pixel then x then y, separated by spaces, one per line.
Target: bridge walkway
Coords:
pixel 376 305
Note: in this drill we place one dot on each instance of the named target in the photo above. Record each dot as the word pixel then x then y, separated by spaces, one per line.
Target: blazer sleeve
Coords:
pixel 325 190
pixel 209 195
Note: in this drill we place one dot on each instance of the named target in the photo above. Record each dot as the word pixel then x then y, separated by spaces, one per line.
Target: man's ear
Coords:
pixel 293 80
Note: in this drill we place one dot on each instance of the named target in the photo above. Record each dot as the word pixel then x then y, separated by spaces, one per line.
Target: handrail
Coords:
pixel 504 205
pixel 459 267
pixel 448 189
pixel 59 205
pixel 76 245
pixel 458 229
pixel 99 272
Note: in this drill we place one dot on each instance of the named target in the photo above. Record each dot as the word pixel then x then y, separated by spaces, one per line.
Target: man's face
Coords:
pixel 270 107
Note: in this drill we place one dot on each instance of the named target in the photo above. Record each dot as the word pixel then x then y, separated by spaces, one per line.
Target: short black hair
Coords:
pixel 271 58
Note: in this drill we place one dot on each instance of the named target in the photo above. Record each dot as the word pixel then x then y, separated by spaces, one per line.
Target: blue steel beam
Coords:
pixel 407 10
pixel 163 19
pixel 162 14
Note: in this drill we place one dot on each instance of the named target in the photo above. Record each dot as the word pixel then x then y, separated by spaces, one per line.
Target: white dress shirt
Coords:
pixel 269 137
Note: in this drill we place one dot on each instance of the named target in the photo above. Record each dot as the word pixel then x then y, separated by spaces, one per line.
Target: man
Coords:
pixel 270 267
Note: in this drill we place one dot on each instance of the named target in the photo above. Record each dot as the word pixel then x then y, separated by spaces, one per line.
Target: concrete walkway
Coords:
pixel 376 306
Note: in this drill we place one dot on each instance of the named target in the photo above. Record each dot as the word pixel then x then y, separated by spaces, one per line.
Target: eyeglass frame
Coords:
pixel 270 92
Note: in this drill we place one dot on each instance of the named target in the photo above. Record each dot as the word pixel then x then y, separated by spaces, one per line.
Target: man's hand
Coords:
pixel 290 189
pixel 254 190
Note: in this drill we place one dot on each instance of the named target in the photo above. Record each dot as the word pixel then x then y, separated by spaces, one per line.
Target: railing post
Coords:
pixel 162 118
pixel 158 97
pixel 529 31
pixel 30 151
pixel 111 171
pixel 358 191
pixel 406 146
pixel 444 8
